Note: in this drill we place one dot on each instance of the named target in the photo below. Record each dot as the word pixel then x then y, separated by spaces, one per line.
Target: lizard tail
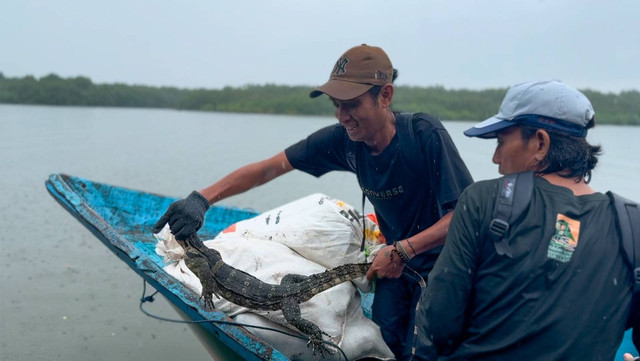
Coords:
pixel 334 276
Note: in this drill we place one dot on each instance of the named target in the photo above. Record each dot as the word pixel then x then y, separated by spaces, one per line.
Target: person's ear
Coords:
pixel 542 144
pixel 386 95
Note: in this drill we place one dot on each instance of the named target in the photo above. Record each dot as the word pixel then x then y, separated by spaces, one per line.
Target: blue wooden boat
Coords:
pixel 122 219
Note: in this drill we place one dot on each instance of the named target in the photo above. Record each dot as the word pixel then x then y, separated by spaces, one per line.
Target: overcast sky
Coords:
pixel 473 44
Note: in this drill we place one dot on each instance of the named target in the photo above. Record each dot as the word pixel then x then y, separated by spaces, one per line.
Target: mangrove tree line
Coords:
pixel 448 104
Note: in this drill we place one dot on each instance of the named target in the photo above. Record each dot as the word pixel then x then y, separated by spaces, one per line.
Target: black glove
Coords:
pixel 185 216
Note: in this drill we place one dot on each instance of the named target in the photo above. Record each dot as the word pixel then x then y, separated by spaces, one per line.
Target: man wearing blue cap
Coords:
pixel 554 284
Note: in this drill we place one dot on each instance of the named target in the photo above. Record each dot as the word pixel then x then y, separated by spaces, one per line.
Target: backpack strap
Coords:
pixel 628 224
pixel 511 202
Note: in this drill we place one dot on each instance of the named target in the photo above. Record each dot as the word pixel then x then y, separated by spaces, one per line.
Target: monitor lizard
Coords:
pixel 220 279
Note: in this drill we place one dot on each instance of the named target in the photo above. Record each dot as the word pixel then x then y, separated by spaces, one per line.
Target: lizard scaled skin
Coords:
pixel 220 279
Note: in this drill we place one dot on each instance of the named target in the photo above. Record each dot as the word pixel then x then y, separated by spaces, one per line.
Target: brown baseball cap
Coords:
pixel 356 71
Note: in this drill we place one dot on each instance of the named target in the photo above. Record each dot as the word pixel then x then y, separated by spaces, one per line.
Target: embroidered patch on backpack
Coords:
pixel 565 240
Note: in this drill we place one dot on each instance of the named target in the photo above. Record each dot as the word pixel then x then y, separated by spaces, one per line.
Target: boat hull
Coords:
pixel 122 219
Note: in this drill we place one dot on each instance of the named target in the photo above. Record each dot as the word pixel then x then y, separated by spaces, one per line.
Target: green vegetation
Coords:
pixel 621 108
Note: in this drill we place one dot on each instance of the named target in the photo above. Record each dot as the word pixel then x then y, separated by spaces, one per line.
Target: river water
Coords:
pixel 65 296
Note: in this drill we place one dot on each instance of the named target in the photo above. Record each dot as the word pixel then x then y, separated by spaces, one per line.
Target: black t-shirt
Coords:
pixel 565 294
pixel 412 183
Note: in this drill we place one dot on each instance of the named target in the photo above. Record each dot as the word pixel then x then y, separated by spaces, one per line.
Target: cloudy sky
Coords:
pixel 473 44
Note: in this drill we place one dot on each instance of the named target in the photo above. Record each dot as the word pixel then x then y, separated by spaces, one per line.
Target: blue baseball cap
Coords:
pixel 547 104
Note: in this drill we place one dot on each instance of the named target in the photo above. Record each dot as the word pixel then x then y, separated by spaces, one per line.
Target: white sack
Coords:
pixel 337 311
pixel 322 229
pixel 258 246
pixel 360 339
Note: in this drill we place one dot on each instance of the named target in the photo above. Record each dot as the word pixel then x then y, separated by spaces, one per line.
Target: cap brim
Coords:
pixel 340 89
pixel 488 128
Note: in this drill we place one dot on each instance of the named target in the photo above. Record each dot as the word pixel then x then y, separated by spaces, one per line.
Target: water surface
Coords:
pixel 65 296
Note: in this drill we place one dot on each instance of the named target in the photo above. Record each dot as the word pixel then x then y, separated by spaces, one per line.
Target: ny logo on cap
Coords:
pixel 341 66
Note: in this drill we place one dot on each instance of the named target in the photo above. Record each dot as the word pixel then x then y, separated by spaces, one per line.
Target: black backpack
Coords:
pixel 512 201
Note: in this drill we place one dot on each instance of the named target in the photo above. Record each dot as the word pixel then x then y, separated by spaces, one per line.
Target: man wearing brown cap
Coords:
pixel 406 165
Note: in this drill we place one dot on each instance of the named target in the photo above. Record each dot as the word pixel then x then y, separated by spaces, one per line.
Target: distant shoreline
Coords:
pixel 474 105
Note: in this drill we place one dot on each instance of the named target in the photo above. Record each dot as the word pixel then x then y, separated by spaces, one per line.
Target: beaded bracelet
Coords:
pixel 400 255
pixel 398 245
pixel 399 248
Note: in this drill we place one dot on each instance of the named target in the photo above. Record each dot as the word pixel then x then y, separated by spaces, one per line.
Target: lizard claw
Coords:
pixel 319 346
pixel 208 302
